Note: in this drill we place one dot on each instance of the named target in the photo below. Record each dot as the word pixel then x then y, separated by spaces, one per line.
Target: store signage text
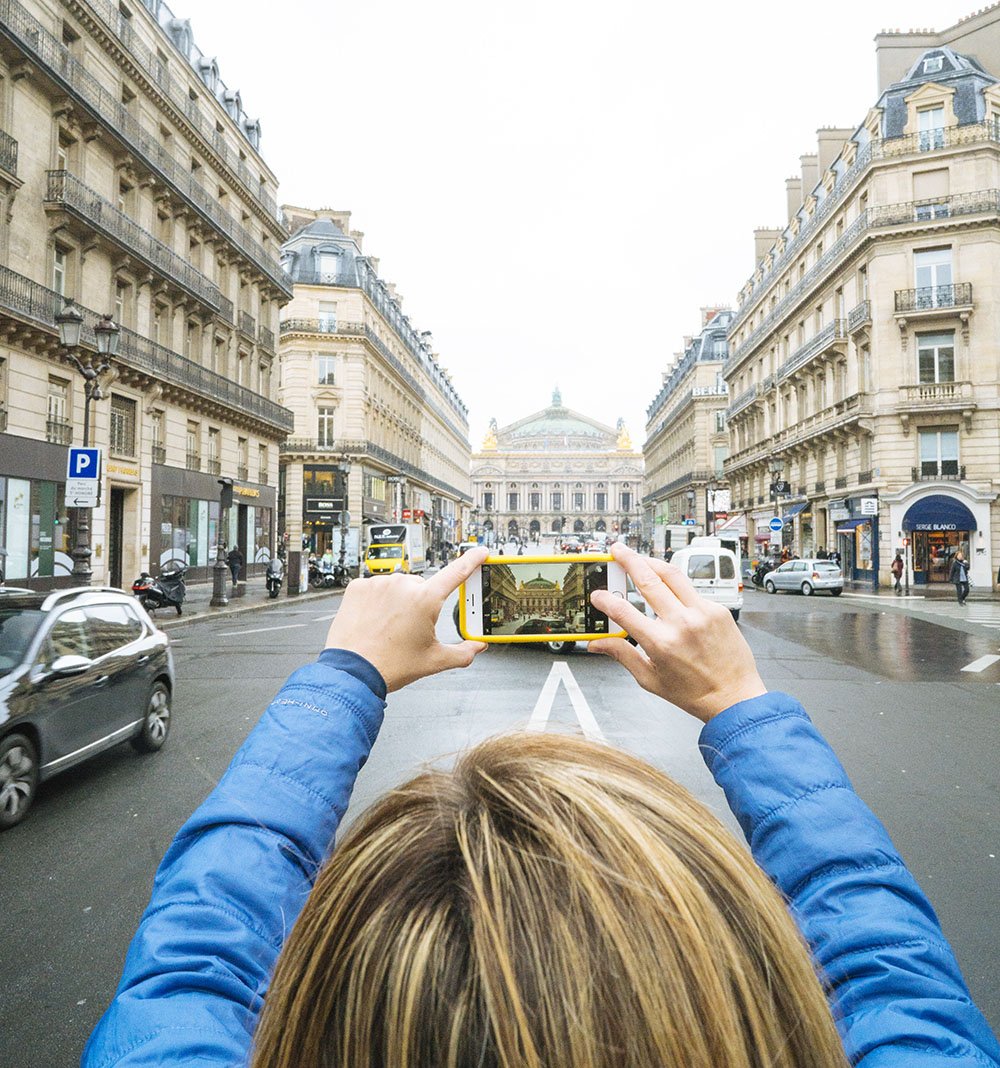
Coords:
pixel 935 526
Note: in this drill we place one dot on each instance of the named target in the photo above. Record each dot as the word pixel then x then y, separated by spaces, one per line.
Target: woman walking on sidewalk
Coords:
pixel 960 576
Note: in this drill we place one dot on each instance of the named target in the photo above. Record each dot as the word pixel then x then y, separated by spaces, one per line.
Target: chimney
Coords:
pixel 830 142
pixel 763 238
pixel 810 173
pixel 708 314
pixel 793 192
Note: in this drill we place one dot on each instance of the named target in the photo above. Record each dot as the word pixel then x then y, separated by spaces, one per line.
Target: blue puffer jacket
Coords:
pixel 238 872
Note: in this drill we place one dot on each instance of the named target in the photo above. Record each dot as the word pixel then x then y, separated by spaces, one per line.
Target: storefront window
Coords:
pixel 36 529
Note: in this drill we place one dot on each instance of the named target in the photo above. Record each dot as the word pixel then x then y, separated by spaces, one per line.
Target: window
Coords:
pixel 512 502
pixel 325 368
pixel 193 446
pixel 214 451
pixel 324 427
pixel 123 411
pixel 932 64
pixel 600 502
pixel 938 452
pixel 932 278
pixel 123 303
pixel 720 420
pixel 701 567
pixel 329 266
pixel 109 627
pixel 243 457
pixel 862 283
pixel 262 464
pixel 327 317
pixel 488 502
pixel 159 318
pixel 578 502
pixel 58 428
pixel 626 501
pixel 556 502
pixel 59 270
pixel 936 357
pixel 156 432
pixel 536 501
pixel 930 126
pixel 933 210
pixel 994 121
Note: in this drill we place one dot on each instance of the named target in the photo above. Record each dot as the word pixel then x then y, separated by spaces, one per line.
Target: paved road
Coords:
pixel 918 735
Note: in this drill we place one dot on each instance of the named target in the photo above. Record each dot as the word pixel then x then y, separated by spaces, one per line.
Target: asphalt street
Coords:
pixel 907 694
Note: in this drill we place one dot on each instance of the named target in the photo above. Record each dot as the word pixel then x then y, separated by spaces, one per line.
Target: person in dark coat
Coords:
pixel 959 576
pixel 235 561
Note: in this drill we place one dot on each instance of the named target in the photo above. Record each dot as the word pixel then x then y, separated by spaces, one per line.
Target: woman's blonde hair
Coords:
pixel 550 903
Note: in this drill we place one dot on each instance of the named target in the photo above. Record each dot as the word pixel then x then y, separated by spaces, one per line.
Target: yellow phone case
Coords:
pixel 535 639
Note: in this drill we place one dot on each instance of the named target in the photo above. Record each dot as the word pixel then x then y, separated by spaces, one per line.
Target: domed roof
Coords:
pixel 556 427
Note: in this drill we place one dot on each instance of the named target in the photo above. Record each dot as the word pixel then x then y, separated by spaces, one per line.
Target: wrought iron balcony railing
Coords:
pixel 3 418
pixel 192 461
pixel 834 331
pixel 159 454
pixel 947 471
pixel 859 315
pixel 70 193
pixel 213 467
pixel 819 487
pixel 864 477
pixel 8 154
pixel 262 478
pixel 840 482
pixel 59 432
pixel 928 298
pixel 266 339
pixel 56 61
pixel 242 472
pixel 321 326
pixel 742 401
pixel 248 325
pixel 226 310
pixel 33 302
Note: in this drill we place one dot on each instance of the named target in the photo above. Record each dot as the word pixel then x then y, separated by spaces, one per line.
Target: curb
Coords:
pixel 242 609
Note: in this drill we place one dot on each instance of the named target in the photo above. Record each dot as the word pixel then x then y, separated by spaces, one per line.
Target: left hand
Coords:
pixel 390 621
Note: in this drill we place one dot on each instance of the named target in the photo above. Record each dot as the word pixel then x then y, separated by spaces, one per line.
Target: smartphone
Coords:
pixel 539 599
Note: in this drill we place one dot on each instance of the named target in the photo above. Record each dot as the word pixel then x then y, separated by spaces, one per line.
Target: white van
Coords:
pixel 714 570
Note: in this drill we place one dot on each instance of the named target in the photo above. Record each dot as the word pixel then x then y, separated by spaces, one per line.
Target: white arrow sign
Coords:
pixel 543 706
pixel 82 492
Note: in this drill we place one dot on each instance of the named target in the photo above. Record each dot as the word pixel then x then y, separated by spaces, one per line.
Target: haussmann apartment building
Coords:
pixel 864 366
pixel 380 432
pixel 131 182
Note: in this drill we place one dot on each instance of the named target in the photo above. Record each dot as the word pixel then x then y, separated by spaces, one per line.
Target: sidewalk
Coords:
pixel 252 598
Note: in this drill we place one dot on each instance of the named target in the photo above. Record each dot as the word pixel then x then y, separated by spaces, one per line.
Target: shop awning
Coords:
pixel 938 512
pixel 852 524
pixel 793 510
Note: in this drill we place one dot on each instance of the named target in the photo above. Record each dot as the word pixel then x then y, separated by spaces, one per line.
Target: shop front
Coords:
pixel 855 521
pixel 938 527
pixel 324 501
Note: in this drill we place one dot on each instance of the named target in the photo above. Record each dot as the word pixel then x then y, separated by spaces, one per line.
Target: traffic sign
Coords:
pixel 83 464
pixel 775 523
pixel 83 492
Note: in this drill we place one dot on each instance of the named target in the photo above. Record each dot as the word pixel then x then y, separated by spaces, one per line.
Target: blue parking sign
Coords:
pixel 83 463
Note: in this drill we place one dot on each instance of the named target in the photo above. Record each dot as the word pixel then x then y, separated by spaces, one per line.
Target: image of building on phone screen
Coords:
pixel 550 598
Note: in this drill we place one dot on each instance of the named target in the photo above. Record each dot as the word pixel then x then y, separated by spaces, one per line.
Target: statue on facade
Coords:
pixel 490 441
pixel 624 438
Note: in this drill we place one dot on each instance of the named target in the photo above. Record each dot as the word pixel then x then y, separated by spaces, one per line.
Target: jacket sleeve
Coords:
pixel 897 993
pixel 236 876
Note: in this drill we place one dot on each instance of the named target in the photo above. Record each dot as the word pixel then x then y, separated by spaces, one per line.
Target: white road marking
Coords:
pixel 982 663
pixel 258 630
pixel 323 619
pixel 883 596
pixel 543 706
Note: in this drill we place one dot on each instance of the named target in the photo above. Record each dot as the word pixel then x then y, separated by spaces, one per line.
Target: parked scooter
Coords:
pixel 762 568
pixel 274 576
pixel 341 576
pixel 319 578
pixel 163 591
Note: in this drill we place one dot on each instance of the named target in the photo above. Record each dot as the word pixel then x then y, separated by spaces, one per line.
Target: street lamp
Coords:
pixel 345 470
pixel 70 323
pixel 220 571
pixel 774 466
pixel 710 489
pixel 475 523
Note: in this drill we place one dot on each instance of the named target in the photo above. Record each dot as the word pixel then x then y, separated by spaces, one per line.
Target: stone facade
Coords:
pixel 557 471
pixel 368 392
pixel 686 439
pixel 131 181
pixel 864 367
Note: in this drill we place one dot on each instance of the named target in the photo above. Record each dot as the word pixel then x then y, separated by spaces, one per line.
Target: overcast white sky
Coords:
pixel 555 186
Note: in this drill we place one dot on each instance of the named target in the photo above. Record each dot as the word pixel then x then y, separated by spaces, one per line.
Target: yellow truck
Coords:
pixel 394 547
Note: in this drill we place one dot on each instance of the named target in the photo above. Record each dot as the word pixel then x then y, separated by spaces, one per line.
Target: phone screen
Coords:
pixel 551 598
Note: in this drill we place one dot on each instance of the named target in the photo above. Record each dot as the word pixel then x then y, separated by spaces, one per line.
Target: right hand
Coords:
pixel 692 655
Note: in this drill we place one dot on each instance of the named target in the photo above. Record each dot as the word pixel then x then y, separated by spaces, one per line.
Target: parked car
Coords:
pixel 806 577
pixel 714 570
pixel 81 670
pixel 570 544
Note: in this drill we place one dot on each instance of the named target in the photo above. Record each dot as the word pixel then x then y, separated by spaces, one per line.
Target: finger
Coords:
pixel 627 616
pixel 680 585
pixel 459 655
pixel 451 577
pixel 656 592
pixel 634 660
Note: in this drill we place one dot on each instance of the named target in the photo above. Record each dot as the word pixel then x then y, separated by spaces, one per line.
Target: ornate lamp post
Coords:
pixel 91 367
pixel 220 572
pixel 710 489
pixel 774 466
pixel 475 523
pixel 344 468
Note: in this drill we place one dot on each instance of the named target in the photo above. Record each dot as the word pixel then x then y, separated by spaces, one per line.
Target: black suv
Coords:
pixel 80 671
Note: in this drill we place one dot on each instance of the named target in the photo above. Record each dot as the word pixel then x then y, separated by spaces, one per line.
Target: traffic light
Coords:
pixel 226 493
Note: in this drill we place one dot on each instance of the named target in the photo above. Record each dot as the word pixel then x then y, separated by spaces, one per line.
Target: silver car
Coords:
pixel 806 576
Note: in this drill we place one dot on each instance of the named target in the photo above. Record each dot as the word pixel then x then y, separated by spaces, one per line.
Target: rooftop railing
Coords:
pixel 32 38
pixel 29 300
pixel 69 192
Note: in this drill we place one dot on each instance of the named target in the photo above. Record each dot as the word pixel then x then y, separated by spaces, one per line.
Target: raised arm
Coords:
pixel 897 993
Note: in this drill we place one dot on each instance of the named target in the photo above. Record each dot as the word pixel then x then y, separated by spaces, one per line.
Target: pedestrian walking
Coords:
pixel 235 561
pixel 897 572
pixel 959 576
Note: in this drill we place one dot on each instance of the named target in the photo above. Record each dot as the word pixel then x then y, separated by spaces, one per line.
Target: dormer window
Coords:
pixel 932 64
pixel 930 127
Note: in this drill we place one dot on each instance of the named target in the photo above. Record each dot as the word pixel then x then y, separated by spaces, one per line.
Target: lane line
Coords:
pixel 982 663
pixel 323 619
pixel 885 597
pixel 258 630
pixel 560 673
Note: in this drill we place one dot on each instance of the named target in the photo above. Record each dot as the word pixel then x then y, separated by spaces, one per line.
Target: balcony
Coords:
pixel 8 154
pixel 71 77
pixel 248 326
pixel 825 339
pixel 66 192
pixel 859 316
pixel 744 400
pixel 242 472
pixel 213 467
pixel 936 397
pixel 159 454
pixel 840 482
pixel 262 478
pixel 192 461
pixel 33 303
pixel 266 339
pixel 947 471
pixel 932 299
pixel 321 326
pixel 864 477
pixel 819 487
pixel 59 432
pixel 226 310
pixel 3 418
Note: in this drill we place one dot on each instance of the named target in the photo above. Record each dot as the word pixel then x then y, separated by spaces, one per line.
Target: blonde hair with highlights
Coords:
pixel 550 903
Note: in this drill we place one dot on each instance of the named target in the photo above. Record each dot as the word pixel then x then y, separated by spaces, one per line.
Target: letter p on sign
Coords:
pixel 84 463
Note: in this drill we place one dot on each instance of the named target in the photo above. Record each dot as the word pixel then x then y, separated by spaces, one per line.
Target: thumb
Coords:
pixel 458 655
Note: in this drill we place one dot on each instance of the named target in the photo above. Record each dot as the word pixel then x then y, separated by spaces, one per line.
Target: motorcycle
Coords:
pixel 274 576
pixel 758 573
pixel 166 589
pixel 319 577
pixel 341 576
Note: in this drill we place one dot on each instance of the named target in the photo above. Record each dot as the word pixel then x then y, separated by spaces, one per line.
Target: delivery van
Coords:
pixel 395 547
pixel 714 570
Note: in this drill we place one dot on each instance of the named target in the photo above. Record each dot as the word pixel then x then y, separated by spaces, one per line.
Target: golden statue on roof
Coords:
pixel 624 438
pixel 490 441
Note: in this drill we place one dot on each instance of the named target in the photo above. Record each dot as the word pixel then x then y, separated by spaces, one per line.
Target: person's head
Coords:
pixel 550 903
pixel 959 555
